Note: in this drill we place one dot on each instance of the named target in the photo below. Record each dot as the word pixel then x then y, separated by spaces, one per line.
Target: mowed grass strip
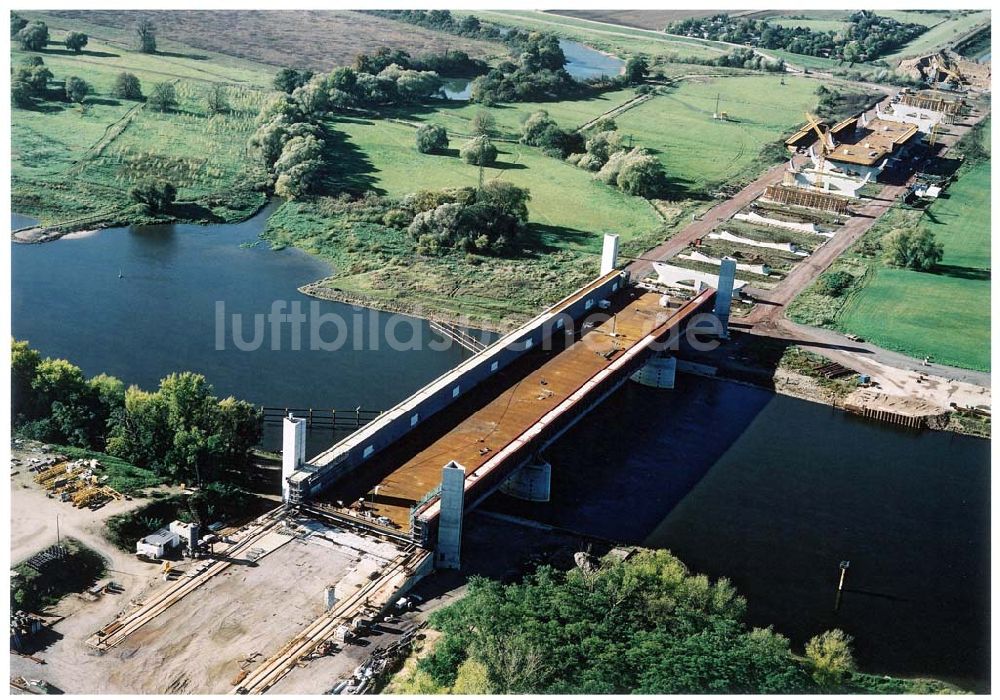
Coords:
pixel 620 40
pixel 944 314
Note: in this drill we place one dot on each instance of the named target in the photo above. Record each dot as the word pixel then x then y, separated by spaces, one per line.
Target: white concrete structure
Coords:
pixel 449 547
pixel 826 182
pixel 675 276
pixel 698 256
pixel 609 254
pixel 755 218
pixel 733 238
pixel 158 543
pixel 187 532
pixel 923 119
pixel 724 297
pixel 659 372
pixel 293 450
pixel 532 482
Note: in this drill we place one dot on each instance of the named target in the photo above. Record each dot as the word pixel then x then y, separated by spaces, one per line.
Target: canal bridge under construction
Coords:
pixel 491 415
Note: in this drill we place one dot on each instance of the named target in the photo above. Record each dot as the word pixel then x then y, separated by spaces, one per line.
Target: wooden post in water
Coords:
pixel 309 420
pixel 333 417
pixel 844 566
pixel 357 417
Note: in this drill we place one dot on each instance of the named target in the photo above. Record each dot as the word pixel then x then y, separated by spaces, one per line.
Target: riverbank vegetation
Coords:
pixel 180 433
pixel 934 312
pixel 640 625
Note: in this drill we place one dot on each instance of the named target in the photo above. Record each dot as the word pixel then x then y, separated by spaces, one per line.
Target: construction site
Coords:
pixel 837 173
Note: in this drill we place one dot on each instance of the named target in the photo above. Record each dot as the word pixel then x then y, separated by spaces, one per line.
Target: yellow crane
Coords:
pixel 822 149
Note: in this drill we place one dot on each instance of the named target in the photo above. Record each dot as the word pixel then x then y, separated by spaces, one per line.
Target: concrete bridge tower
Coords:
pixel 609 254
pixel 449 546
pixel 724 293
pixel 293 450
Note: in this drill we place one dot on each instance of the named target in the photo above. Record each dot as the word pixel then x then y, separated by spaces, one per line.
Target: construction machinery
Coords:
pixel 824 147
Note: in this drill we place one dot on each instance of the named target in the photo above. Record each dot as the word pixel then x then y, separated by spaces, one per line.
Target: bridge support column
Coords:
pixel 448 554
pixel 609 254
pixel 293 450
pixel 659 372
pixel 532 482
pixel 724 293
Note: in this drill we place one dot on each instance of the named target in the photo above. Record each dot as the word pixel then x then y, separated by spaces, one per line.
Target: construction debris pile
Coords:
pixel 78 482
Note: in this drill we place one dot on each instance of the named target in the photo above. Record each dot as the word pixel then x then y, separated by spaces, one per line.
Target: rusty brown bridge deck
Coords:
pixel 504 420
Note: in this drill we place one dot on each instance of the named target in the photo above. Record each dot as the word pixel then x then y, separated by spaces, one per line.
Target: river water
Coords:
pixel 161 317
pixel 774 493
pixel 582 63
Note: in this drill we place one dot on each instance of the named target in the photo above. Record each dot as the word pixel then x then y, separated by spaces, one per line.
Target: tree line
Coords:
pixel 646 625
pixel 181 431
pixel 867 37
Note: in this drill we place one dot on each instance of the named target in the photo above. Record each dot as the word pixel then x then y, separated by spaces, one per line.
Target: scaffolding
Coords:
pixel 804 198
pixel 932 103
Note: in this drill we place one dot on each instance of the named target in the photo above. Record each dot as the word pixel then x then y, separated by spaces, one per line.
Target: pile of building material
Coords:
pixel 77 481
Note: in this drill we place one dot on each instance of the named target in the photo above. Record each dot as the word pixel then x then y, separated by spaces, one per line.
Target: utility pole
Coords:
pixel 844 566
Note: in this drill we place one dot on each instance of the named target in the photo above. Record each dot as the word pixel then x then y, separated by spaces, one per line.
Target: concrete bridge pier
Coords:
pixel 659 372
pixel 448 554
pixel 532 482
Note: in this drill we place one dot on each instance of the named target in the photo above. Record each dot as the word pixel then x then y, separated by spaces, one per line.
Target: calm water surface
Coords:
pixel 774 493
pixel 582 62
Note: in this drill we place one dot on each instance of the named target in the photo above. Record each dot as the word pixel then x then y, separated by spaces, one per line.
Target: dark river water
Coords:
pixel 774 493
pixel 161 317
pixel 770 491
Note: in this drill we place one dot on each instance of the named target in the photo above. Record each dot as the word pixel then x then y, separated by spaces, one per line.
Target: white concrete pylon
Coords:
pixel 609 254
pixel 449 545
pixel 293 450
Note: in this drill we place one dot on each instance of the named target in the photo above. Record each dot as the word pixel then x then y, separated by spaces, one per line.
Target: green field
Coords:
pixel 563 198
pixel 456 116
pixel 699 152
pixel 70 162
pixel 944 314
pixel 950 29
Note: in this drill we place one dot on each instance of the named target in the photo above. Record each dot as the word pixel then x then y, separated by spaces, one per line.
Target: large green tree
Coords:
pixel 646 625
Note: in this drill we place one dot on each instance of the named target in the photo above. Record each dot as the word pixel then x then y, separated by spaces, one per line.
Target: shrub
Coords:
pixel 34 36
pixel 479 151
pixel 288 79
pixel 76 89
pixel 432 138
pixel 830 656
pixel 163 98
pixel 75 41
pixel 912 248
pixel 127 87
pixel 145 36
pixel 834 284
pixel 155 195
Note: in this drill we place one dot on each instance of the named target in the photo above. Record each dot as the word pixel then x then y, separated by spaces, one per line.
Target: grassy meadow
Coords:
pixel 71 162
pixel 944 313
pixel 699 152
